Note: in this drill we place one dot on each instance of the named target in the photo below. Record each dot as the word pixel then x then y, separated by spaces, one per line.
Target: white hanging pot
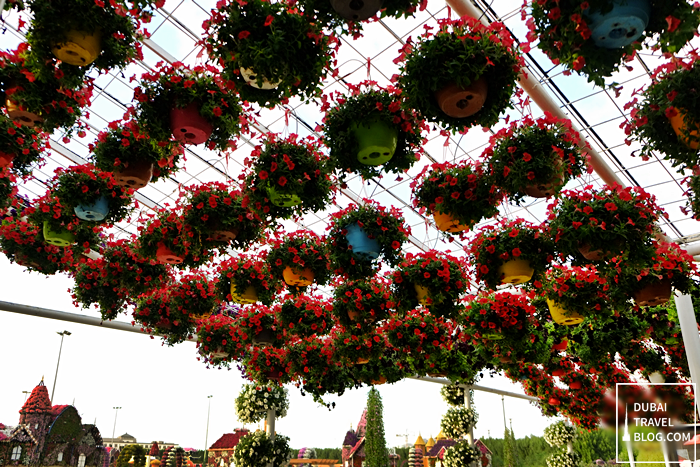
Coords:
pixel 250 77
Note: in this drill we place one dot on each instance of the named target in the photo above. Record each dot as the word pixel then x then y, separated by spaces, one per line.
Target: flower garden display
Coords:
pixel 167 239
pixel 59 224
pixel 503 315
pixel 304 316
pixel 131 455
pixel 257 325
pixel 559 434
pixel 564 459
pixel 215 212
pixel 289 176
pixel 264 364
pixel 133 156
pixel 94 285
pixel 575 292
pixel 191 105
pixel 597 225
pixel 385 369
pixel 453 394
pixel 359 235
pixel 457 195
pixel 510 252
pixel 47 104
pixel 362 303
pixel 256 449
pixel 247 280
pixel 666 121
pixel 269 51
pixel 23 243
pixel 461 76
pixel 369 133
pixel 317 369
pixel 92 194
pixel 436 281
pixel 84 33
pixel 457 422
pixel 300 258
pixel 595 37
pixel 461 454
pixel 21 146
pixel 668 267
pixel 155 315
pixel 356 346
pixel 193 296
pixel 253 402
pixel 214 339
pixel 535 157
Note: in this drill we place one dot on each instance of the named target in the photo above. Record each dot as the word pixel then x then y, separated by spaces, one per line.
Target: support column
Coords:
pixel 691 340
pixel 270 427
pixel 468 404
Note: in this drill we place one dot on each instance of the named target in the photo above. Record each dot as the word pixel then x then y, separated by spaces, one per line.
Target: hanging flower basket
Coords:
pixel 436 281
pixel 650 284
pixel 510 252
pixel 192 106
pixel 216 214
pixel 461 454
pixel 666 121
pixel 133 156
pixel 154 313
pixel 48 104
pixel 256 449
pixel 165 238
pixel 597 225
pixel 575 292
pixel 214 340
pixel 564 459
pixel 253 402
pixel 362 303
pixel 369 133
pixel 303 256
pixel 503 315
pixel 559 434
pixel 453 394
pixel 356 346
pixel 595 37
pixel 84 33
pixel 22 146
pixel 194 296
pixel 535 157
pixel 304 316
pixel 23 243
pixel 267 364
pixel 457 422
pixel 317 368
pixel 359 235
pixel 245 280
pixel 476 86
pixel 298 54
pixel 457 195
pixel 257 325
pixel 289 176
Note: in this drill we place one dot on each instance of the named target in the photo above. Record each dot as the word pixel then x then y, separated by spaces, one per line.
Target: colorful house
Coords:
pixel 434 450
pixel 353 453
pixel 50 435
pixel 221 452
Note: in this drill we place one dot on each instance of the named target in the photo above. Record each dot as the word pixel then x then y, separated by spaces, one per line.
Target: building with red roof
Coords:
pixel 50 435
pixel 353 453
pixel 221 452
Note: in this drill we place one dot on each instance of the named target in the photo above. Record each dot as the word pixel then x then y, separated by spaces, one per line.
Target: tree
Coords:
pixel 376 454
pixel 508 449
pixel 154 449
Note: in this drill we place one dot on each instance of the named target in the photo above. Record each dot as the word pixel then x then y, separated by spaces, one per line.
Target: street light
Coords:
pixel 25 395
pixel 206 438
pixel 62 334
pixel 116 411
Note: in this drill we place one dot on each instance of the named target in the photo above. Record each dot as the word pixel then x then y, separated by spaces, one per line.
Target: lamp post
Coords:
pixel 62 334
pixel 116 411
pixel 206 437
pixel 25 395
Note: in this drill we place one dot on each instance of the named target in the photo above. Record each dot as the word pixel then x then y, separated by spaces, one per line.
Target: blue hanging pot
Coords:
pixel 621 26
pixel 362 246
pixel 93 212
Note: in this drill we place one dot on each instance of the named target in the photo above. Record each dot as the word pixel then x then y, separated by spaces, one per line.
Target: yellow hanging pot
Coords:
pixel 515 271
pixel 249 295
pixel 561 316
pixel 80 48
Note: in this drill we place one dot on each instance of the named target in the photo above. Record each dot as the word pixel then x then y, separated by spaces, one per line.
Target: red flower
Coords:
pixel 268 20
pixel 263 175
pixel 243 34
pixel 282 181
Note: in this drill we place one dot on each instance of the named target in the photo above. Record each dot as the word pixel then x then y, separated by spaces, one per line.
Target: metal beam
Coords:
pixel 477 387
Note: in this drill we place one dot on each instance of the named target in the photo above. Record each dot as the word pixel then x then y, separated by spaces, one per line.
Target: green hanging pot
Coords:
pixel 376 141
pixel 282 200
pixel 61 238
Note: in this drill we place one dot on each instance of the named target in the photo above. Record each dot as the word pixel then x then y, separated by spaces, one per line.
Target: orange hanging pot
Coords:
pixel 654 294
pixel 460 102
pixel 134 175
pixel 6 159
pixel 448 223
pixel 165 255
pixel 298 277
pixel 680 127
pixel 247 297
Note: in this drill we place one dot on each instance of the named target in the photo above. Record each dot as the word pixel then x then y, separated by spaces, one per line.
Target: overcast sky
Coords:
pixel 163 390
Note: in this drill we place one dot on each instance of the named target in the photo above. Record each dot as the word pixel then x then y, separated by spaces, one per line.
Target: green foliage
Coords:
pixel 136 451
pixel 321 12
pixel 562 28
pixel 278 44
pixel 257 449
pixel 23 243
pixel 462 51
pixel 178 86
pixel 376 454
pixel 242 272
pixel 365 107
pixel 674 90
pixel 509 449
pixel 25 143
pixel 169 229
pixel 369 300
pixel 329 453
pixel 67 428
pixel 300 249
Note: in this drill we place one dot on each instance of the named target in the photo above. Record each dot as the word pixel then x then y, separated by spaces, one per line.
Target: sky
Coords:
pixel 163 390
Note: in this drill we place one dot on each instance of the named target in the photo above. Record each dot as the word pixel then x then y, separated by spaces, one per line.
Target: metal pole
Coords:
pixel 116 412
pixel 468 404
pixel 206 438
pixel 62 334
pixel 270 427
pixel 691 340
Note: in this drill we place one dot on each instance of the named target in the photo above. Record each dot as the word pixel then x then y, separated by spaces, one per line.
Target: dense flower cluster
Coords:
pixel 559 434
pixel 253 402
pixel 457 422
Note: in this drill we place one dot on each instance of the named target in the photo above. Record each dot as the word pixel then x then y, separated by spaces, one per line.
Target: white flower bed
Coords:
pixel 457 422
pixel 461 455
pixel 565 459
pixel 558 434
pixel 254 401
